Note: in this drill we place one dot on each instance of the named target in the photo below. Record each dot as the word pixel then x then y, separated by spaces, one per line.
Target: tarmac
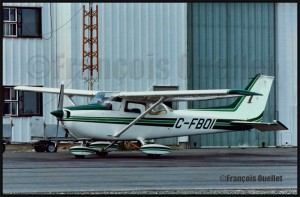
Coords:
pixel 187 171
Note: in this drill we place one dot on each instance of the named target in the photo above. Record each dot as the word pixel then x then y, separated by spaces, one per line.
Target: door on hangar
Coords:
pixel 228 44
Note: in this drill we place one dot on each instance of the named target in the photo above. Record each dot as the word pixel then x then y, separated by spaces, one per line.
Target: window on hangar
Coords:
pixel 22 22
pixel 21 103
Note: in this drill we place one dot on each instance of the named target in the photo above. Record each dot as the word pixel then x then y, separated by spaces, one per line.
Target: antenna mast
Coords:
pixel 90 44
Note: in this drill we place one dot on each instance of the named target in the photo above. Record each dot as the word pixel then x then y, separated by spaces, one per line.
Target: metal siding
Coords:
pixel 29 61
pixel 229 44
pixel 140 45
pixel 144 56
pixel 286 56
pixel 20 130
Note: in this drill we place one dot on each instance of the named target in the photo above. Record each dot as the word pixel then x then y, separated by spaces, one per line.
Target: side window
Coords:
pixel 134 107
pixel 158 110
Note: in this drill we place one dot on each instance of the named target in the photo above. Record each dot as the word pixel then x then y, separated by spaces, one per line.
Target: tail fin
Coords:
pixel 252 107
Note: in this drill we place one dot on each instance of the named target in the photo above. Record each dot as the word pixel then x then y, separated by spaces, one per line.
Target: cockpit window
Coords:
pixel 134 107
pixel 112 103
pixel 106 105
pixel 117 99
pixel 158 110
pixel 101 102
pixel 98 98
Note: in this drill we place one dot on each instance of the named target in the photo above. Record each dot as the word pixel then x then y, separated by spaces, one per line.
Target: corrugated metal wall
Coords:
pixel 287 70
pixel 140 44
pixel 31 61
pixel 228 43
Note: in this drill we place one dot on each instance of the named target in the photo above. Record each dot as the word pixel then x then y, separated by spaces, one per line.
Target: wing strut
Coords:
pixel 140 117
pixel 114 142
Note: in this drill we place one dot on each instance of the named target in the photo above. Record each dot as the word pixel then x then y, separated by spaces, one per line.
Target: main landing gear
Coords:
pixel 153 151
pixel 98 148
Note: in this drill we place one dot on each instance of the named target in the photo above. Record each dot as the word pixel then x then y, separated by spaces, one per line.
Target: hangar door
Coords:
pixel 228 44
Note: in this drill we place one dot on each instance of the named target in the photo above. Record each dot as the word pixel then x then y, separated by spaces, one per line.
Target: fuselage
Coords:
pixel 100 121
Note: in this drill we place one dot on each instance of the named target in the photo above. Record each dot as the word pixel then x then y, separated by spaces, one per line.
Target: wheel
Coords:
pixel 79 156
pixel 3 148
pixel 51 148
pixel 39 148
pixel 102 154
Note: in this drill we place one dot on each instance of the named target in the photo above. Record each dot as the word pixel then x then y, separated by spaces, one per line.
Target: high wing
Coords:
pixel 68 92
pixel 185 95
pixel 150 96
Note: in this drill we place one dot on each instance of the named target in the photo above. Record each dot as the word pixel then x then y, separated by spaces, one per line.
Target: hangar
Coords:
pixel 154 46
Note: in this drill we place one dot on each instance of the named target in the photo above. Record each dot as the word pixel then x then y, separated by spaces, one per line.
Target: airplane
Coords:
pixel 113 117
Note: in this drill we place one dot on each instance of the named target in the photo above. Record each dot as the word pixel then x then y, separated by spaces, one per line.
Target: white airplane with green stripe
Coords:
pixel 141 116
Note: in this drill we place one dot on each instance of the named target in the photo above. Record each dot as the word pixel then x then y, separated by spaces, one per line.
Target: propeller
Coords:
pixel 58 113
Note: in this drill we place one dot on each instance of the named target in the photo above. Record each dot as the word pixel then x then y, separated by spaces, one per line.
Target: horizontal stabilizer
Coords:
pixel 262 126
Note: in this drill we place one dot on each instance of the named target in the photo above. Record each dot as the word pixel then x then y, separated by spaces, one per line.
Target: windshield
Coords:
pixel 98 98
pixel 109 103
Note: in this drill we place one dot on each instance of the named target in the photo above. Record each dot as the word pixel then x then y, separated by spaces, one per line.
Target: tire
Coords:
pixel 79 156
pixel 51 148
pixel 39 148
pixel 3 148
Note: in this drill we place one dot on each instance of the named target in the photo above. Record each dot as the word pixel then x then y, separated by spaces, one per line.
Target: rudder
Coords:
pixel 252 107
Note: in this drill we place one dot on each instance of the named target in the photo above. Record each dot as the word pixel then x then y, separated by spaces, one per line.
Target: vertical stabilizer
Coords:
pixel 252 107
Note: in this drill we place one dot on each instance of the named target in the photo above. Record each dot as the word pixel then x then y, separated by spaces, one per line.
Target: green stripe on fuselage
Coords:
pixel 120 120
pixel 225 123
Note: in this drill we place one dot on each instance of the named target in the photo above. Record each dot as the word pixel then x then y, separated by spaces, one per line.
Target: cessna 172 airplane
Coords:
pixel 131 116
